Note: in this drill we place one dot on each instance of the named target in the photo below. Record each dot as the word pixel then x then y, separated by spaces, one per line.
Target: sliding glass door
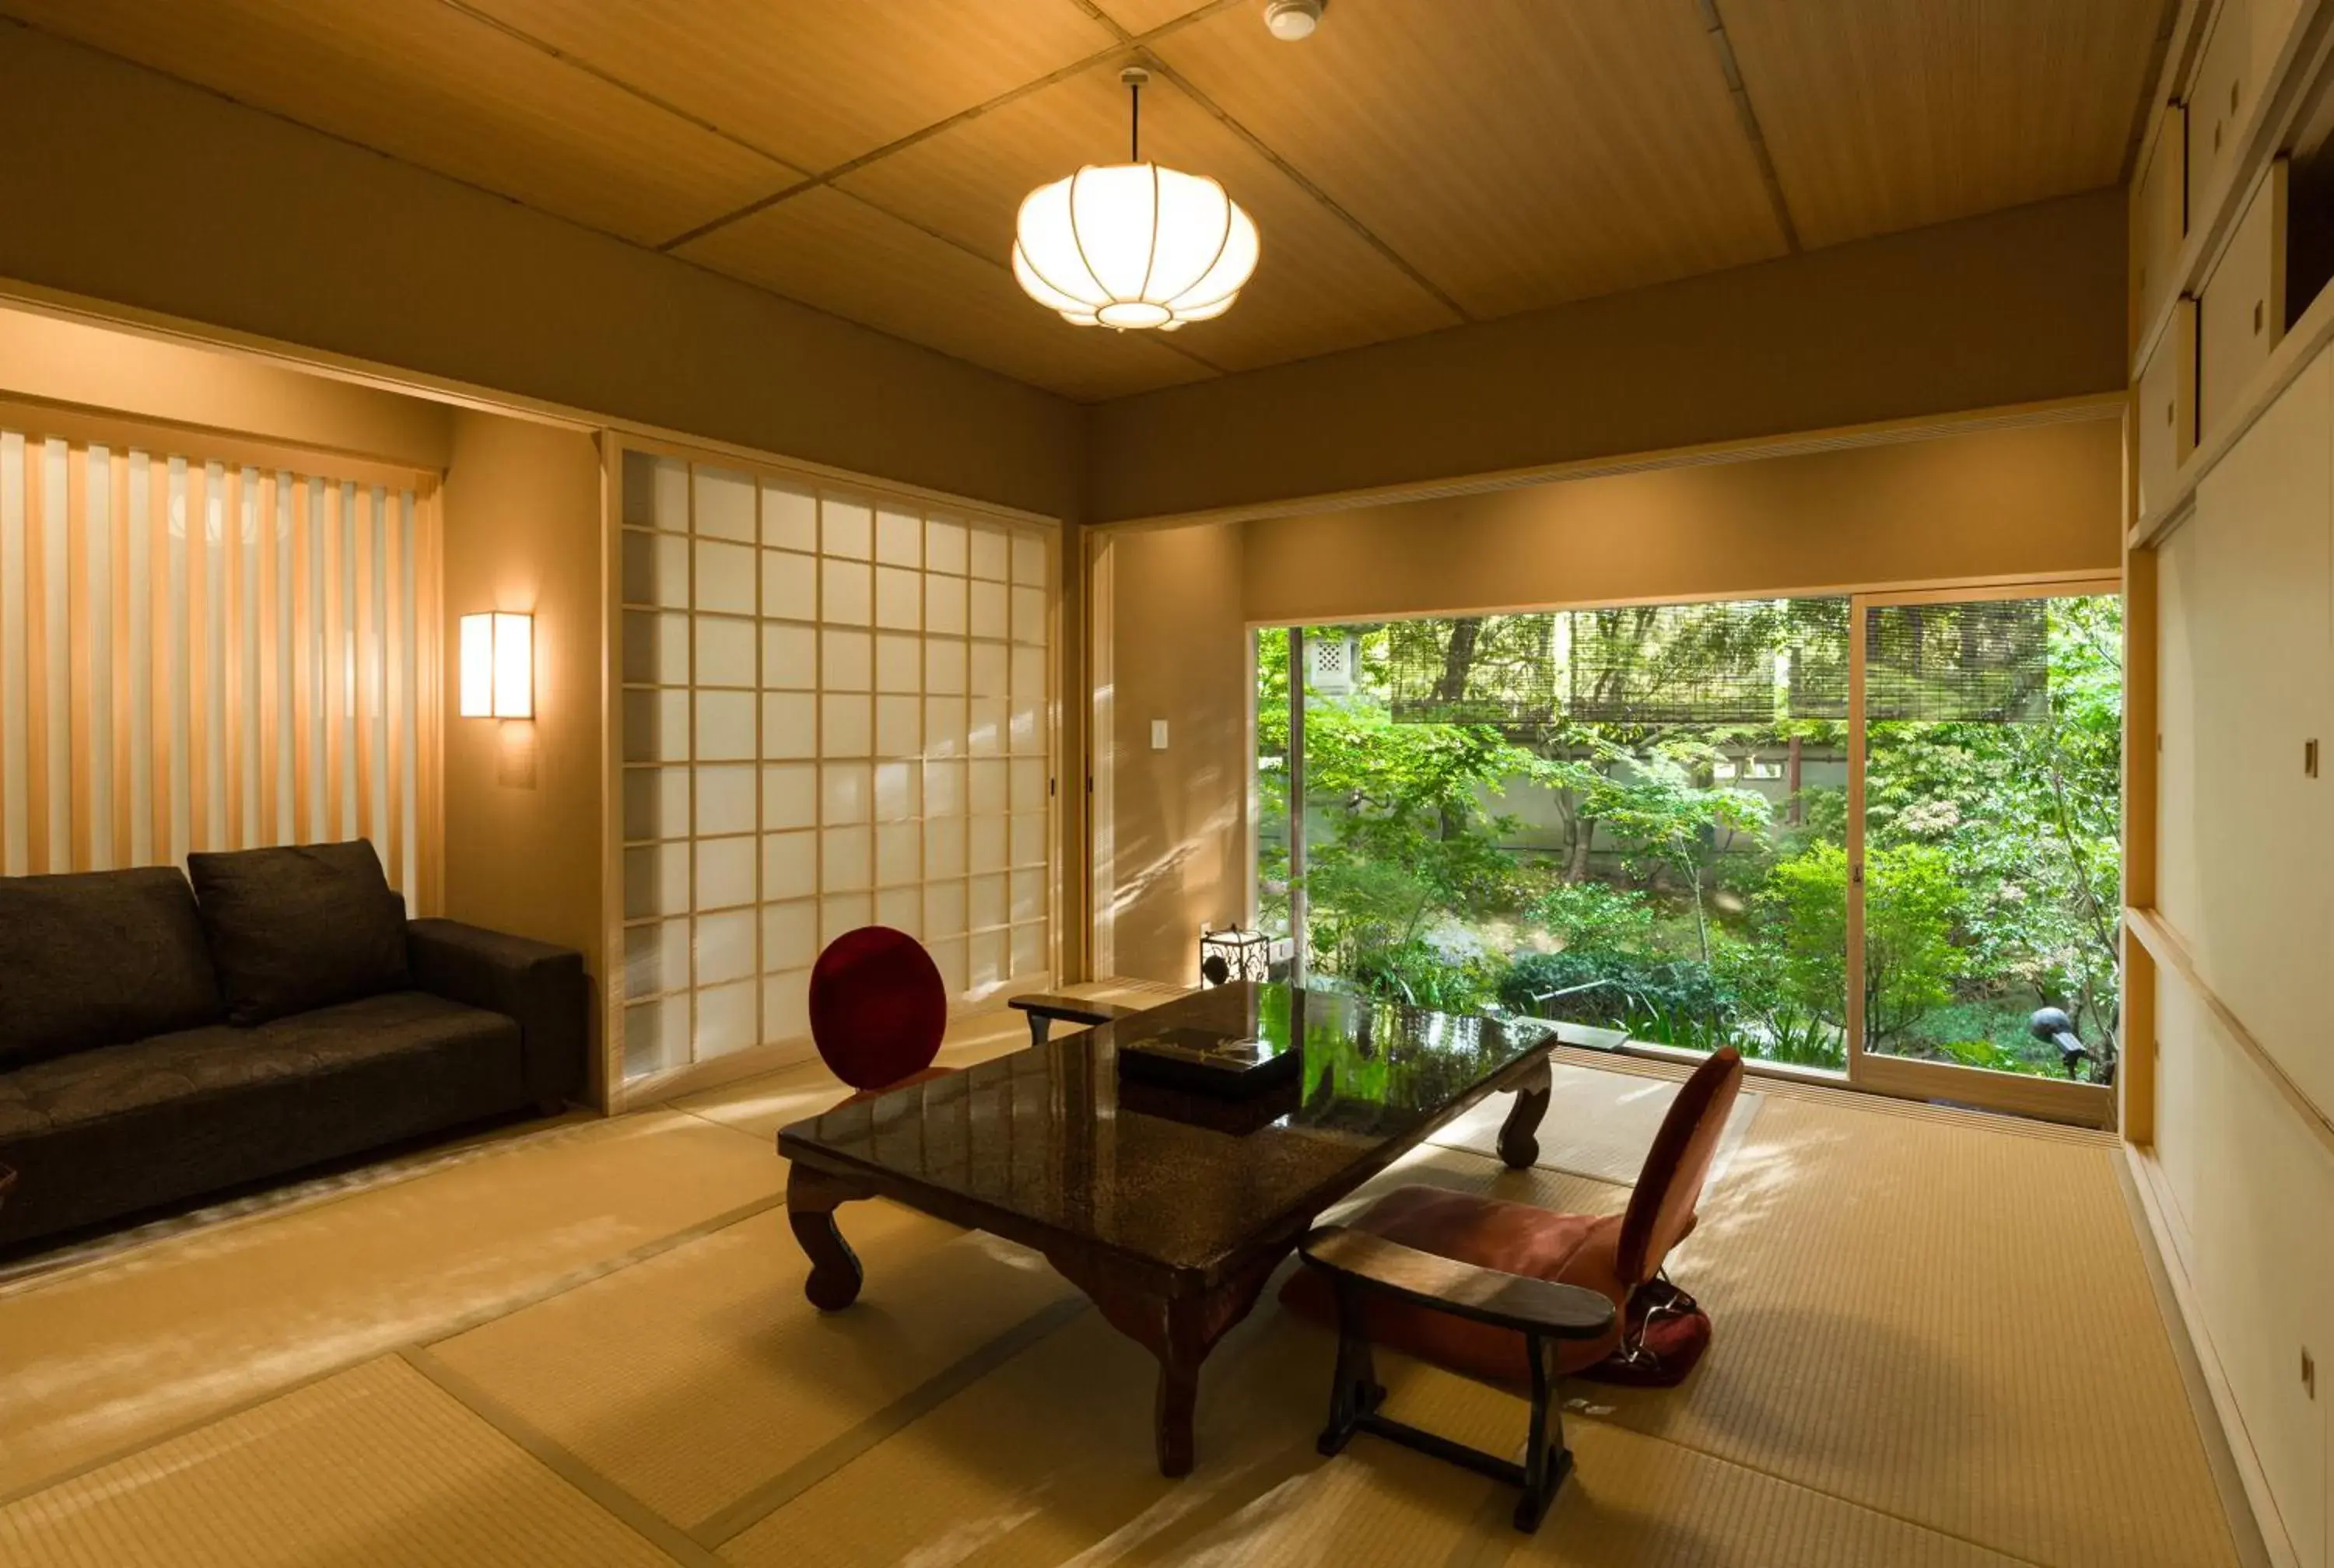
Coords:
pixel 1874 834
pixel 1984 844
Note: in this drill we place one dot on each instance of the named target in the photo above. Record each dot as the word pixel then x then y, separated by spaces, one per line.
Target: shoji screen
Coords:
pixel 200 653
pixel 835 712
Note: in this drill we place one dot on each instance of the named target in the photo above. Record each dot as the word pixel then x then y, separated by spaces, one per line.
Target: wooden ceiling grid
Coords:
pixel 1415 164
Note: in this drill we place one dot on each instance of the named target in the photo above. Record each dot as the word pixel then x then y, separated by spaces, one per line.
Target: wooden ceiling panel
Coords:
pixel 815 82
pixel 1142 15
pixel 1889 114
pixel 1518 153
pixel 833 251
pixel 421 81
pixel 1318 285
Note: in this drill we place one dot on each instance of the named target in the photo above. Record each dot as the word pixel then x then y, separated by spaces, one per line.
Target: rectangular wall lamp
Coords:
pixel 497 666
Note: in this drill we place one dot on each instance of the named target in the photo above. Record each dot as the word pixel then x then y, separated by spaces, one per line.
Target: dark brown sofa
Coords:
pixel 160 1041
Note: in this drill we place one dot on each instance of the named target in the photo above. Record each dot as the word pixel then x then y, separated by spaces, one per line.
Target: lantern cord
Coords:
pixel 1135 122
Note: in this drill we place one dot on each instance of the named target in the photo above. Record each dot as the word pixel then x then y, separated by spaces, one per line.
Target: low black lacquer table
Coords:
pixel 1170 1210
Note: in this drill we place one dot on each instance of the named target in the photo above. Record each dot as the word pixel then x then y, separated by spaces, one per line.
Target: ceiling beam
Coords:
pixel 577 62
pixel 1715 27
pixel 962 116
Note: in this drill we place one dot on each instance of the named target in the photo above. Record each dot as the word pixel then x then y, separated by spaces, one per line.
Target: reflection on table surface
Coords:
pixel 1052 1134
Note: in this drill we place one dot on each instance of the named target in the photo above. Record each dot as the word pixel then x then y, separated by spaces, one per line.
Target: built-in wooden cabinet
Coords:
pixel 2219 96
pixel 2232 435
pixel 2266 23
pixel 2252 1188
pixel 2168 408
pixel 2257 608
pixel 2178 849
pixel 2160 216
pixel 2242 312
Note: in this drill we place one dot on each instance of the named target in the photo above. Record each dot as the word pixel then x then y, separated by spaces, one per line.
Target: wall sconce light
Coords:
pixel 497 666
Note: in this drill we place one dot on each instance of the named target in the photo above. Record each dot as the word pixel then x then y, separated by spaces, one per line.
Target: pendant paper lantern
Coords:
pixel 1134 245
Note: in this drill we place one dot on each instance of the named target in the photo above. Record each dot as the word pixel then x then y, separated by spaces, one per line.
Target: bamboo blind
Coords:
pixel 200 653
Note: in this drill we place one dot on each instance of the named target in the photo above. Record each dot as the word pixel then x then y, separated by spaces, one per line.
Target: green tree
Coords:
pixel 1591 917
pixel 1409 840
pixel 1657 806
pixel 1911 904
pixel 2028 816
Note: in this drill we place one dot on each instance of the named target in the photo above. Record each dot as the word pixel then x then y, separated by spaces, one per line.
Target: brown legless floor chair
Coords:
pixel 1494 1318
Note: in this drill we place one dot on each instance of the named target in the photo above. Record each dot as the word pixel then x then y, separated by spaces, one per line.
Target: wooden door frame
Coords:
pixel 2024 1095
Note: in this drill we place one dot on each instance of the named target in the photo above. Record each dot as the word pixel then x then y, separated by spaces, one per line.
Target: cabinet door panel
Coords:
pixel 2168 408
pixel 2220 100
pixel 2264 1271
pixel 2178 863
pixel 2243 313
pixel 2159 215
pixel 2261 656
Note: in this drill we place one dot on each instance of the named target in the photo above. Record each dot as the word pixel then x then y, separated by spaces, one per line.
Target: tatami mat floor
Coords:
pixel 1937 1344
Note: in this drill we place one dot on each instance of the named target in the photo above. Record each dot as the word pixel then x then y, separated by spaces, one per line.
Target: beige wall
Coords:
pixel 2014 307
pixel 71 362
pixel 125 186
pixel 1178 820
pixel 2035 499
pixel 523 840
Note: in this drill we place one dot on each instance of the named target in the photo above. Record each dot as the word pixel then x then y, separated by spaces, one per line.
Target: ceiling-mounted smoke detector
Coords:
pixel 1291 20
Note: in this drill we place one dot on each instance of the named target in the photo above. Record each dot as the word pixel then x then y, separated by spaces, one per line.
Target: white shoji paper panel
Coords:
pixel 834 711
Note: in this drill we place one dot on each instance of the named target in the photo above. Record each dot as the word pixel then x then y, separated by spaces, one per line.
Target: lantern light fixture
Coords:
pixel 1134 245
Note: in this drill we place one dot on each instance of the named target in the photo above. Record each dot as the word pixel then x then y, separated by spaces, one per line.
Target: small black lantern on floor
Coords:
pixel 1226 957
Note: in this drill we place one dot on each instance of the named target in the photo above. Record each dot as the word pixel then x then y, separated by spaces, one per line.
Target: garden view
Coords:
pixel 1638 818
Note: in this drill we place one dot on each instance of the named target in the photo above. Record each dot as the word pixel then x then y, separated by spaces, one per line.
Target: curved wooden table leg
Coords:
pixel 1179 1330
pixel 812 1198
pixel 1518 1135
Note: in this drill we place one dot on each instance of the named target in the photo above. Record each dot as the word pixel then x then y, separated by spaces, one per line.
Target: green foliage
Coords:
pixel 1910 904
pixel 1674 1001
pixel 1691 907
pixel 1595 916
pixel 2029 818
pixel 1424 975
pixel 1413 843
pixel 1654 803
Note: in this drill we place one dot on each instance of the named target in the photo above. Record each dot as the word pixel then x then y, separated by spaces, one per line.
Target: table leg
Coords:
pixel 812 1198
pixel 1518 1135
pixel 1179 1330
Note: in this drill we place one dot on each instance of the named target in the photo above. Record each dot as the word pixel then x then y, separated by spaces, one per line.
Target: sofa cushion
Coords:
pixel 99 957
pixel 107 1132
pixel 298 928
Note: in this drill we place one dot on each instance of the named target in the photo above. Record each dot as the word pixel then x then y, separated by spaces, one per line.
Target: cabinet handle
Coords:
pixel 2309 758
pixel 2257 318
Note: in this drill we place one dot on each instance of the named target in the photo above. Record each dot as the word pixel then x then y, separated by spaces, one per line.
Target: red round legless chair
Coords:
pixel 878 1009
pixel 1660 1331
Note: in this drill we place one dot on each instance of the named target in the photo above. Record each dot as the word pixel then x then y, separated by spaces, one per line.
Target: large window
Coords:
pixel 835 714
pixel 1651 818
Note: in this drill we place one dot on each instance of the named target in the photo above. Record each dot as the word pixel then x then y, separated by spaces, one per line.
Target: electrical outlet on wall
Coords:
pixel 1158 734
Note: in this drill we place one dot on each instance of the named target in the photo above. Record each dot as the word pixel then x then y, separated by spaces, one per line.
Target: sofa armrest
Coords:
pixel 540 985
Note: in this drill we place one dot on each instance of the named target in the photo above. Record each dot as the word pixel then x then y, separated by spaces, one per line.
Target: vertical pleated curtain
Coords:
pixel 198 654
